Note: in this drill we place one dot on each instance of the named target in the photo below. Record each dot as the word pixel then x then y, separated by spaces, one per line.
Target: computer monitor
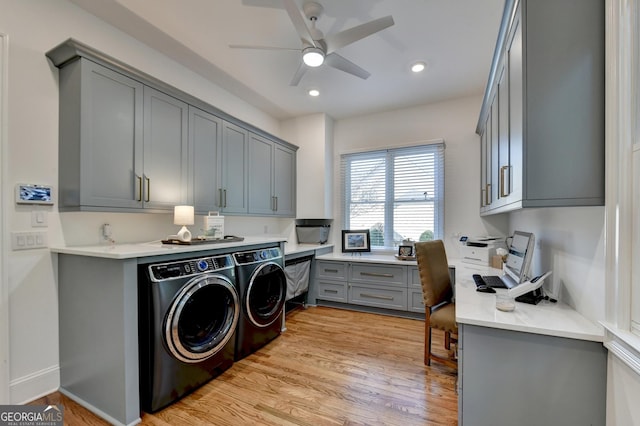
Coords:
pixel 519 257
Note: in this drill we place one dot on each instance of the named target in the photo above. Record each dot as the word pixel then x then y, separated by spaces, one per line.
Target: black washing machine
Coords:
pixel 188 316
pixel 262 286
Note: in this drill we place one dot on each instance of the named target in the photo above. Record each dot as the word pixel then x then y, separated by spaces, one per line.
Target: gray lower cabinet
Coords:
pixel 416 302
pixel 376 285
pixel 541 125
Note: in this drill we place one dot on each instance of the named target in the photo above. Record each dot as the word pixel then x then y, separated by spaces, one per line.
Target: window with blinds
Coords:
pixel 396 193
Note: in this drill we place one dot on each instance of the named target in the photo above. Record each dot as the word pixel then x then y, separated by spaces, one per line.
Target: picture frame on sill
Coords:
pixel 356 241
pixel 405 251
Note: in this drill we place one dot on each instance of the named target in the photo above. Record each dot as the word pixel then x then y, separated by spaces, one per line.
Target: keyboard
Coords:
pixel 494 281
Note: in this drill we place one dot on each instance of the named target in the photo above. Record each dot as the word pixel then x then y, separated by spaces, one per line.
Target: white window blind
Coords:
pixel 395 193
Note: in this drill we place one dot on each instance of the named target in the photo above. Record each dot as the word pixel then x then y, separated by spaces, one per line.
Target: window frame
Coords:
pixel 436 147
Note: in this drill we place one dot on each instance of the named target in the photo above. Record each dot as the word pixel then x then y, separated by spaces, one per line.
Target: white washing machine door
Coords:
pixel 202 318
pixel 266 294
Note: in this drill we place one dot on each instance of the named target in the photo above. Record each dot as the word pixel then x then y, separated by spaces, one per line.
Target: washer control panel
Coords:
pixel 187 268
pixel 246 257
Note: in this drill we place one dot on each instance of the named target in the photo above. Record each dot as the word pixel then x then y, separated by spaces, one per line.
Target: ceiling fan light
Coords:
pixel 313 57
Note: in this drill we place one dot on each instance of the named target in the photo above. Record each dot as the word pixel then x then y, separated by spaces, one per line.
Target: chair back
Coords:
pixel 434 272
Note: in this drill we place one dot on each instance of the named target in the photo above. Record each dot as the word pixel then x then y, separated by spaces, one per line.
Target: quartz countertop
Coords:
pixel 156 248
pixel 366 258
pixel 546 318
pixel 292 248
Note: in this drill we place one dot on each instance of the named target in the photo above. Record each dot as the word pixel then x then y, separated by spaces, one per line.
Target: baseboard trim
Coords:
pixel 96 410
pixel 35 385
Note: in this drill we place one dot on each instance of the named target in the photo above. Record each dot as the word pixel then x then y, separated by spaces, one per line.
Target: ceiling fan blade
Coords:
pixel 298 21
pixel 343 38
pixel 302 68
pixel 336 61
pixel 250 46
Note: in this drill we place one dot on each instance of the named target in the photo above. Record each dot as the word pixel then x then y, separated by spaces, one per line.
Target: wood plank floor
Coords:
pixel 331 367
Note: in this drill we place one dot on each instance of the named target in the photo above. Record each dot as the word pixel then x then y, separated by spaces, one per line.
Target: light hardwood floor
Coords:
pixel 331 367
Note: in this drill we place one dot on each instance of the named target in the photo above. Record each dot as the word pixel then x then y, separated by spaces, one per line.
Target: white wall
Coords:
pixel 455 122
pixel 570 241
pixel 34 27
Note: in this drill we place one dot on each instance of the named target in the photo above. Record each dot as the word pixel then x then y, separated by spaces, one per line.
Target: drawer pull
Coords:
pixel 374 274
pixel 335 271
pixel 330 291
pixel 376 296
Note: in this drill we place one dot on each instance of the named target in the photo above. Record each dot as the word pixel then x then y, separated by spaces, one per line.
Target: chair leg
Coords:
pixel 427 339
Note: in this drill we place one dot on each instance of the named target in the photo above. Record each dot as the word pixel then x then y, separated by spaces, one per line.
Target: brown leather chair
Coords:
pixel 437 293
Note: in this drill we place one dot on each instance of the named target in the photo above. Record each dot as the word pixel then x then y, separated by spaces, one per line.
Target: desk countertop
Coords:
pixel 546 318
pixel 366 258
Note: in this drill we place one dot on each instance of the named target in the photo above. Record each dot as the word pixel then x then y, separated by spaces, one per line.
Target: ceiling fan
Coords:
pixel 318 49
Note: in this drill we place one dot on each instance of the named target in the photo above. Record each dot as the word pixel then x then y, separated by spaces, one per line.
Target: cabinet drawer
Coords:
pixel 416 302
pixel 389 275
pixel 332 290
pixel 414 277
pixel 331 270
pixel 379 297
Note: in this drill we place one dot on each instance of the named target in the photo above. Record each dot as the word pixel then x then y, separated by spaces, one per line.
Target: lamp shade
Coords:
pixel 183 215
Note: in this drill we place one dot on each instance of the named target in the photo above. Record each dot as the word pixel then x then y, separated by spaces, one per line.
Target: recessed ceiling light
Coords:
pixel 314 92
pixel 418 67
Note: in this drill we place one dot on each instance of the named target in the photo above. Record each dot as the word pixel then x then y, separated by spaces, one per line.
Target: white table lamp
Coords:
pixel 183 215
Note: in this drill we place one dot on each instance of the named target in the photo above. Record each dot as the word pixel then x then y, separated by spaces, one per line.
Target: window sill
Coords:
pixel 624 345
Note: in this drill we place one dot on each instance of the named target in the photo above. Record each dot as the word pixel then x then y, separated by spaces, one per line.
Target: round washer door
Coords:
pixel 266 294
pixel 202 318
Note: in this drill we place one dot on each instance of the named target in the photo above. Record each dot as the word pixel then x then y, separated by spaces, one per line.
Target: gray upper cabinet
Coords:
pixel 233 169
pixel 271 178
pixel 166 159
pixel 129 142
pixel 541 125
pixel 205 134
pixel 101 144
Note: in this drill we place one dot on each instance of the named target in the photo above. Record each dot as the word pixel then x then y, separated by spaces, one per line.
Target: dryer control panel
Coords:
pixel 186 268
pixel 246 257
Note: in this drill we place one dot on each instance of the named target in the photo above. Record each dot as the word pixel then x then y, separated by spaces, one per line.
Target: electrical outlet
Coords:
pixel 28 240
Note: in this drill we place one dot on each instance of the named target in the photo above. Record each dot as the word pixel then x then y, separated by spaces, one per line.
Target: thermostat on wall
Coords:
pixel 33 194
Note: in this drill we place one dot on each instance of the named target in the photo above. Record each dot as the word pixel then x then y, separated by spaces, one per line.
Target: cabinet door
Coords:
pixel 504 160
pixel 110 146
pixel 485 165
pixel 495 142
pixel 284 185
pixel 233 169
pixel 166 161
pixel 205 132
pixel 261 198
pixel 516 99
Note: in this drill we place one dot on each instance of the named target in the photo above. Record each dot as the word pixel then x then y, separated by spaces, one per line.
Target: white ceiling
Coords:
pixel 455 37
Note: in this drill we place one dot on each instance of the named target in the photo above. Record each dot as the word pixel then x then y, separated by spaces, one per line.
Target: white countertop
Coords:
pixel 552 319
pixel 291 248
pixel 366 258
pixel 156 248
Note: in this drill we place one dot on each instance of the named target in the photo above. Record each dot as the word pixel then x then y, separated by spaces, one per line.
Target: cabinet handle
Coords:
pixel 276 204
pixel 148 197
pixel 483 197
pixel 376 296
pixel 330 291
pixel 220 197
pixel 502 181
pixel 139 178
pixel 331 270
pixel 487 194
pixel 374 274
pixel 223 197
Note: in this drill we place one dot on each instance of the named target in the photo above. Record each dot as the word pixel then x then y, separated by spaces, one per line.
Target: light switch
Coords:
pixel 39 219
pixel 28 240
